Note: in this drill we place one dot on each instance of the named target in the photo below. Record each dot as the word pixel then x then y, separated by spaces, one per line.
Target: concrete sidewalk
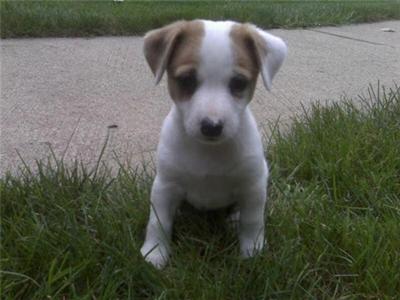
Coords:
pixel 57 87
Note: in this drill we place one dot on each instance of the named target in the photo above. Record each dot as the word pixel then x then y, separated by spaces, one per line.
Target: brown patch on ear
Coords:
pixel 185 58
pixel 172 45
pixel 158 45
pixel 248 48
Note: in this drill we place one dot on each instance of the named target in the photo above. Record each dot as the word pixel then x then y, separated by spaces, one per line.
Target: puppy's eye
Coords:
pixel 238 84
pixel 187 82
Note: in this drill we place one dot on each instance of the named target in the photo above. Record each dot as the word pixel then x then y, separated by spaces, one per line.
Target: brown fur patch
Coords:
pixel 158 44
pixel 185 57
pixel 174 48
pixel 248 47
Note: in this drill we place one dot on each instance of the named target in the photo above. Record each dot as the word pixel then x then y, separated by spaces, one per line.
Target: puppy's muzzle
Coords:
pixel 210 129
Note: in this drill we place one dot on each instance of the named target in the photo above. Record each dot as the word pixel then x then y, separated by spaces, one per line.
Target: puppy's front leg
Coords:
pixel 251 222
pixel 165 199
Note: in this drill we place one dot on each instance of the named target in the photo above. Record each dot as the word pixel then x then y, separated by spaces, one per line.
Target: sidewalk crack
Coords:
pixel 350 38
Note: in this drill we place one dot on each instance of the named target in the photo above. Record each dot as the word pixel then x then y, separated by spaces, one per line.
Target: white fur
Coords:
pixel 276 54
pixel 211 175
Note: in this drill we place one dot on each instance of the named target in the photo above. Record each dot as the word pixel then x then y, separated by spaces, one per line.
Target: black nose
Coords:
pixel 211 129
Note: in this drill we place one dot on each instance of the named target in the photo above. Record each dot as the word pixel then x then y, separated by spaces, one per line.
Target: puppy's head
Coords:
pixel 212 71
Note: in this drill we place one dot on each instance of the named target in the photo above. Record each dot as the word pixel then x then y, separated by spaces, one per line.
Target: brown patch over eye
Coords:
pixel 183 62
pixel 238 84
pixel 246 60
pixel 187 82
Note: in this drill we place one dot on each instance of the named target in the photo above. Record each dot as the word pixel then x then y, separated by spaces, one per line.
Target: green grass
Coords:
pixel 91 18
pixel 332 223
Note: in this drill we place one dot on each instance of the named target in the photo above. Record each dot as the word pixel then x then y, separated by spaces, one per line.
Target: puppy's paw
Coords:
pixel 250 248
pixel 156 255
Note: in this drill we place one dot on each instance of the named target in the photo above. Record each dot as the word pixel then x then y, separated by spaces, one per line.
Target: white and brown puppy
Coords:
pixel 210 151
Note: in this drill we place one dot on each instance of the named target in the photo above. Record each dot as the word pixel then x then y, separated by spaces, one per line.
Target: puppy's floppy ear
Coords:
pixel 158 46
pixel 271 52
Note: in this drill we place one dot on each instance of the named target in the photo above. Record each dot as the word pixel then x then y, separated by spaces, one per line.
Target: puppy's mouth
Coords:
pixel 211 140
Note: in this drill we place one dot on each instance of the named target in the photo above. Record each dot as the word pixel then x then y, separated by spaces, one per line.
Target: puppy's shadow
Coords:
pixel 204 231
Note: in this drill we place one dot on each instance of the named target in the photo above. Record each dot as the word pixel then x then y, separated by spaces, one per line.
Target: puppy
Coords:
pixel 210 151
